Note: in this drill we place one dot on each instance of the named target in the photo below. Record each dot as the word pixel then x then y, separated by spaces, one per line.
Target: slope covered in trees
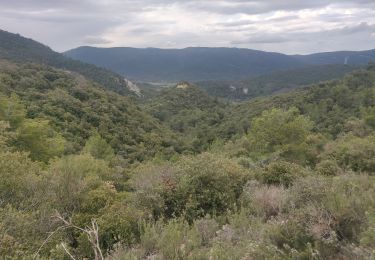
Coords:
pixel 78 108
pixel 188 111
pixel 275 82
pixel 16 48
pixel 330 105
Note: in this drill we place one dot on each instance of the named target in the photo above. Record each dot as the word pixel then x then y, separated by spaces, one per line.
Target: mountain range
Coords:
pixel 198 64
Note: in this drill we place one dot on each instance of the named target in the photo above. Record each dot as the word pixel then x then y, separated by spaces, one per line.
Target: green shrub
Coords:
pixel 288 235
pixel 279 130
pixel 99 148
pixel 16 228
pixel 21 182
pixel 354 153
pixel 328 168
pixel 151 182
pixel 119 224
pixel 72 177
pixel 281 173
pixel 175 241
pixel 207 184
pixel 38 138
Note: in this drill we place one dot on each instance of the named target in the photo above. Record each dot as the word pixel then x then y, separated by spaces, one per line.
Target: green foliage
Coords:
pixel 275 82
pixel 150 182
pixel 328 168
pixel 207 184
pixel 194 187
pixel 76 108
pixel 329 105
pixel 177 240
pixel 353 153
pixel 120 224
pixel 286 177
pixel 16 48
pixel 16 228
pixel 281 173
pixel 12 110
pixel 4 134
pixel 275 129
pixel 99 148
pixel 283 132
pixel 190 112
pixel 74 181
pixel 38 138
pixel 370 116
pixel 20 180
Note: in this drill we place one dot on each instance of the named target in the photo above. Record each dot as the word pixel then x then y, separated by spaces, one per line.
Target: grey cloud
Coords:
pixel 344 38
pixel 223 6
pixel 235 23
pixel 284 18
pixel 265 6
pixel 66 24
pixel 260 39
pixel 96 40
pixel 362 27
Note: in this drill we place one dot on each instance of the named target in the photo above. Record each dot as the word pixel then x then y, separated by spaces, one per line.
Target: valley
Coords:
pixel 272 157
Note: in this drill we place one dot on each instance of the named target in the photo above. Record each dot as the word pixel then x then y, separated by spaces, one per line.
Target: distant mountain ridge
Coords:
pixel 188 64
pixel 15 48
pixel 338 57
pixel 200 64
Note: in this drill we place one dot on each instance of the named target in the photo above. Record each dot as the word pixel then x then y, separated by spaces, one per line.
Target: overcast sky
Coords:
pixel 288 26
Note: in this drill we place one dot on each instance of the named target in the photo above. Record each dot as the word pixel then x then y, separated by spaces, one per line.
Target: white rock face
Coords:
pixel 133 87
pixel 245 91
pixel 183 85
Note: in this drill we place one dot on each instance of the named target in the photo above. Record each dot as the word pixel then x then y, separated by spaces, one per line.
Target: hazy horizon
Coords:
pixel 219 47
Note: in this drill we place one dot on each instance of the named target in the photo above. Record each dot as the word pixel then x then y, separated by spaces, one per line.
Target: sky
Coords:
pixel 286 26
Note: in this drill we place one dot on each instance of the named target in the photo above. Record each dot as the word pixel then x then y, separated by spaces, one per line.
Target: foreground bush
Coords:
pixel 281 173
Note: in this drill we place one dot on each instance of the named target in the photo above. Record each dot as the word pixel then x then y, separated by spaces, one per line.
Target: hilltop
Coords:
pixel 14 47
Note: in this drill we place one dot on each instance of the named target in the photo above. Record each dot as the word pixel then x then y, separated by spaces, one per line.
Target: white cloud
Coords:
pixel 288 26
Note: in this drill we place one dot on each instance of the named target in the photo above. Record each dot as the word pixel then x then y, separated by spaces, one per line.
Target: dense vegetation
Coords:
pixel 275 82
pixel 78 109
pixel 189 112
pixel 19 49
pixel 88 174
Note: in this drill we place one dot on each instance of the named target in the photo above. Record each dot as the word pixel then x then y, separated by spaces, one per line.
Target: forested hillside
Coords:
pixel 330 105
pixel 77 109
pixel 87 173
pixel 275 82
pixel 339 57
pixel 19 49
pixel 190 112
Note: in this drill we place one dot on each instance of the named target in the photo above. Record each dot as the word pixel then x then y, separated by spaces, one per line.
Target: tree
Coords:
pixel 38 138
pixel 12 110
pixel 99 148
pixel 206 184
pixel 279 130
